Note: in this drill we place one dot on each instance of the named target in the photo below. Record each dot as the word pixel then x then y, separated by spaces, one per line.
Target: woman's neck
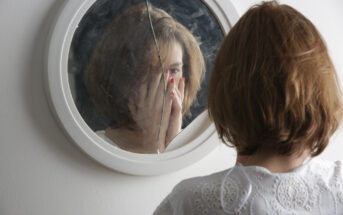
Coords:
pixel 132 141
pixel 273 162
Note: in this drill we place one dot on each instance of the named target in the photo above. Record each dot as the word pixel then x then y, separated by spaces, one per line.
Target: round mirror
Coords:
pixel 128 79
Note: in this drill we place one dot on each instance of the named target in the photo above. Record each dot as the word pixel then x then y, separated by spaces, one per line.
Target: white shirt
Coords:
pixel 316 187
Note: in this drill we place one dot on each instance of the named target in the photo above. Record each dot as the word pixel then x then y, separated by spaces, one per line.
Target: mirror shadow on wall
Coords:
pixel 135 92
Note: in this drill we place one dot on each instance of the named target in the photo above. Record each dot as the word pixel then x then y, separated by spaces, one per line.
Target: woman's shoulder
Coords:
pixel 211 178
pixel 328 170
pixel 194 195
pixel 329 174
pixel 194 187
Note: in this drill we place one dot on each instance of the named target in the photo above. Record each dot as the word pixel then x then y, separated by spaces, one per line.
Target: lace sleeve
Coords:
pixel 165 207
pixel 339 182
pixel 178 202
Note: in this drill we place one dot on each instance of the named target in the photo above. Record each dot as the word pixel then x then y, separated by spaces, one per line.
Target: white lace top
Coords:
pixel 314 188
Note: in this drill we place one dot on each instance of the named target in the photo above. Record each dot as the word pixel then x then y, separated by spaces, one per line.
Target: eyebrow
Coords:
pixel 176 64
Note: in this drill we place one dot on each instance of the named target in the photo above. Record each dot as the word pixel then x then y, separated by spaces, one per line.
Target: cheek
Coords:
pixel 177 77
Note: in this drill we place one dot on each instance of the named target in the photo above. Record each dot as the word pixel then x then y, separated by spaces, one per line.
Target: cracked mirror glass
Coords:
pixel 138 71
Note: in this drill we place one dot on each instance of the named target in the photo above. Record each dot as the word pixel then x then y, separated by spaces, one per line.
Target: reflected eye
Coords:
pixel 173 71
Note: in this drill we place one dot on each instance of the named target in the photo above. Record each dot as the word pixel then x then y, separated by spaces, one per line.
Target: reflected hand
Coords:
pixel 175 119
pixel 147 113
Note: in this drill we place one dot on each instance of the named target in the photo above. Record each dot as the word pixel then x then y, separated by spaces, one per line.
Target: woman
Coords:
pixel 274 96
pixel 125 80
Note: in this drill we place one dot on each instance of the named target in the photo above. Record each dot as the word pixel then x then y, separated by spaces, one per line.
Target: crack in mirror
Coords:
pixel 117 75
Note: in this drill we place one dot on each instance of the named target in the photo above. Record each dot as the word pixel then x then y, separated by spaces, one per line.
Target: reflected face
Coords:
pixel 147 108
pixel 175 62
pixel 124 93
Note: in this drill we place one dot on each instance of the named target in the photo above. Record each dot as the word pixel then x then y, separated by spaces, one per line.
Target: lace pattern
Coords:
pixel 315 188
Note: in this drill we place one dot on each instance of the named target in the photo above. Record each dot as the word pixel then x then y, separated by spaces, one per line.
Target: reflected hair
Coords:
pixel 274 86
pixel 126 57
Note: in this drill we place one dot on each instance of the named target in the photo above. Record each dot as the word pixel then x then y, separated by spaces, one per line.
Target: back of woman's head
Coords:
pixel 273 85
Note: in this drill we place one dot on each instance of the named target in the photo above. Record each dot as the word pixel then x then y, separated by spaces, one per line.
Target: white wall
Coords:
pixel 42 172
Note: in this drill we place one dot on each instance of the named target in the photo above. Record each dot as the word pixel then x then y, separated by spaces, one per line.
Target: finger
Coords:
pixel 177 92
pixel 175 118
pixel 176 98
pixel 168 103
pixel 166 116
pixel 181 88
pixel 161 89
pixel 176 102
pixel 159 83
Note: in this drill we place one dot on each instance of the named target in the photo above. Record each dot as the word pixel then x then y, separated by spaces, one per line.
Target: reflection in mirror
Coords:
pixel 124 78
pixel 120 87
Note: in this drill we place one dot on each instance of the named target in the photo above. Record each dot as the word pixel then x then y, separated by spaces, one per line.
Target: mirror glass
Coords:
pixel 138 72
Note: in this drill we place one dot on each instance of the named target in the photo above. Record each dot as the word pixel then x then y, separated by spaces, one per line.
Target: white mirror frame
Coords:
pixel 193 139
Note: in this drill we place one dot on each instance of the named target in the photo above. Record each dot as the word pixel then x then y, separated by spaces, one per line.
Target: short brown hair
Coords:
pixel 127 51
pixel 273 85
